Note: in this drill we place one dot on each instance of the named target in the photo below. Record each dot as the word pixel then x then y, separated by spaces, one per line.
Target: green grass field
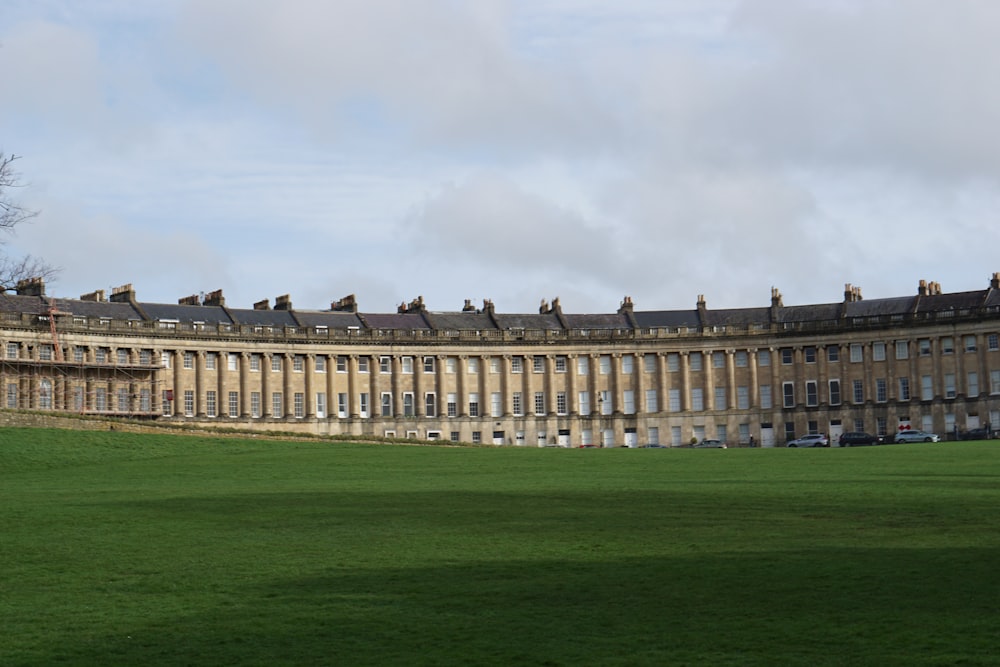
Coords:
pixel 121 549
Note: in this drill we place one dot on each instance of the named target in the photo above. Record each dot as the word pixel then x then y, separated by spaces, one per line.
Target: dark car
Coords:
pixel 857 439
pixel 976 434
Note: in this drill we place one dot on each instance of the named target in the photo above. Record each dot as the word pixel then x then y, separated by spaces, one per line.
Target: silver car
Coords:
pixel 812 440
pixel 916 436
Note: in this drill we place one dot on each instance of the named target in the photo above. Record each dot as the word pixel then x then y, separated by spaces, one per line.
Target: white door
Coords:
pixel 767 437
pixel 564 439
pixel 835 431
pixel 631 439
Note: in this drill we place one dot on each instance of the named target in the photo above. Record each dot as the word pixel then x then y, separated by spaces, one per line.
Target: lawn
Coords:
pixel 122 549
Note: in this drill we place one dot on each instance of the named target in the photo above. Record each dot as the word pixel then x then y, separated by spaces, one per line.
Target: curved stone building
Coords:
pixel 632 377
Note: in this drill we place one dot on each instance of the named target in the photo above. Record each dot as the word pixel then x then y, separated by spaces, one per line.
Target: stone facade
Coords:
pixel 930 361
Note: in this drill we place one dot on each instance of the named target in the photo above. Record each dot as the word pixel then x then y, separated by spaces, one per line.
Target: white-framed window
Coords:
pixel 649 363
pixel 473 365
pixel 742 359
pixel 320 363
pixel 234 404
pixel 673 362
pixel 255 404
pixel 834 386
pixel 430 404
pixel 628 364
pixel 210 361
pixel 720 398
pixel 742 397
pixel 473 404
pixel 11 394
pixel 407 365
pixel 973 385
pixel 255 363
pixel 321 404
pixel 341 363
pixel 538 364
pixel 477 437
pixel 674 400
pixel 788 394
pixel 970 343
pixel 904 389
pixel 857 353
pixel 787 356
pixel 539 402
pixel 298 363
pixel 859 391
pixel 450 364
pixel 833 353
pixel 718 360
pixel 452 404
pixel 188 359
pixel 583 365
pixel 994 384
pixel 277 404
pixel 653 435
pixel 233 361
pixel 902 349
pixel 428 364
pixel 697 399
pixel 386 404
pixel 604 399
pixel 561 406
pixel 766 401
pixel 694 361
pixel 12 350
pixel 45 394
pixel 560 363
pixel 924 347
pixel 495 365
pixel 342 405
pixel 275 363
pixel 385 365
pixel 145 400
pixel 763 357
pixel 188 402
pixel 881 390
pixel 517 364
pixel 517 404
pixel 583 403
pixel 949 385
pixel 948 345
pixel 45 352
pixel 993 342
pixel 122 355
pixel 628 402
pixel 496 404
pixel 299 403
pixel 605 364
pixel 363 366
pixel 926 387
pixel 364 406
pixel 407 403
pixel 652 402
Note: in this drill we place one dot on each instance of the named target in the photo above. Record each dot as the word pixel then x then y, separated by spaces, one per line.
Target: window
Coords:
pixel 472 364
pixel 276 408
pixel 881 393
pixel 233 361
pixel 11 395
pixel 582 365
pixel 363 405
pixel 560 364
pixel 788 394
pixel 833 353
pixel 450 364
pixel 342 405
pixel 720 398
pixel 857 353
pixel 298 363
pixel 495 364
pixel 321 404
pixel 649 363
pixel 561 405
pixel 673 362
pixel 210 358
pixel 993 342
pixel 652 404
pixel 949 385
pixel 477 437
pixel 255 363
pixel 276 363
pixel 834 392
pixel 538 364
pixel 653 435
pixel 583 403
pixel 674 398
pixel 604 401
pixel 188 359
pixel 362 364
pixel 320 363
pixel 452 404
pixel 517 405
pixel 586 437
pixel 407 403
pixel 904 389
pixel 255 404
pixel 386 400
pixel 605 364
pixel 234 404
pixel 188 403
pixel 764 358
pixel 299 403
pixel 787 356
pixel 948 345
pixel 45 394
pixel 694 360
pixel 743 397
pixel 428 364
pixel 675 435
pixel 924 347
pixel 341 363
pixel 517 364
pixel 496 404
pixel 407 365
pixel 859 391
pixel 970 343
pixel 697 399
pixel 122 355
pixel 12 349
pixel 810 354
pixel 766 402
pixel 628 363
pixel 539 402
pixel 45 352
pixel 742 359
pixel 972 389
pixel 473 404
pixel 926 387
pixel 994 383
pixel 79 351
pixel 430 404
pixel 902 349
pixel 628 402
pixel 454 436
pixel 385 364
pixel 812 393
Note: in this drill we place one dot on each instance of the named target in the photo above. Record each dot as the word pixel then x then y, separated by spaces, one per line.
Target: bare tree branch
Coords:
pixel 13 270
pixel 11 213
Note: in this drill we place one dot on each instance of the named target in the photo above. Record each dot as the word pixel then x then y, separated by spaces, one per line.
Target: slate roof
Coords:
pixel 187 314
pixel 528 321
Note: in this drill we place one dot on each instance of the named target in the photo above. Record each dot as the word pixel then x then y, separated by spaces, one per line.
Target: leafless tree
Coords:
pixel 12 214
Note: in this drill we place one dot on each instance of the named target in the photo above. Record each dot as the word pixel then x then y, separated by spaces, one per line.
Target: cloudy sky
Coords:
pixel 506 149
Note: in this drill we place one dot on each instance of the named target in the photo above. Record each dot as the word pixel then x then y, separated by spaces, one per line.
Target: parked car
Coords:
pixel 916 436
pixel 654 447
pixel 857 439
pixel 811 440
pixel 711 444
pixel 976 434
